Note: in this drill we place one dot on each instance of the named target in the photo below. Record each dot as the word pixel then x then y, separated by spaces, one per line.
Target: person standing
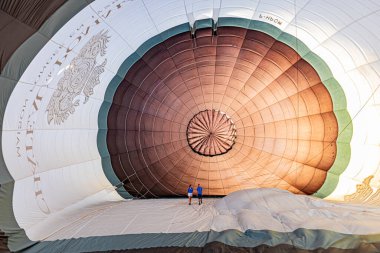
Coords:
pixel 199 191
pixel 190 193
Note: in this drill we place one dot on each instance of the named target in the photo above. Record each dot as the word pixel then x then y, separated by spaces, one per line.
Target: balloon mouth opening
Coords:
pixel 211 133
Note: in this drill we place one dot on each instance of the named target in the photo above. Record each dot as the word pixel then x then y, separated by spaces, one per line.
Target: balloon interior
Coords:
pixel 110 110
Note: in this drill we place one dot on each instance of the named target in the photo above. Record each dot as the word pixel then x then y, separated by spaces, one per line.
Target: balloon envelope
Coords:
pixel 111 109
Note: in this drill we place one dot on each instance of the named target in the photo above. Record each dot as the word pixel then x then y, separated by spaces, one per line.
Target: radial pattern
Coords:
pixel 283 115
pixel 211 132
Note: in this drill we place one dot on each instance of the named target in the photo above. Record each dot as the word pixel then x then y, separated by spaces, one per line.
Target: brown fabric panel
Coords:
pixel 283 115
pixel 19 19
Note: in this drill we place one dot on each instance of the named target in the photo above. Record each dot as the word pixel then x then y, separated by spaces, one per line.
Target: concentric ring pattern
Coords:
pixel 285 124
pixel 211 133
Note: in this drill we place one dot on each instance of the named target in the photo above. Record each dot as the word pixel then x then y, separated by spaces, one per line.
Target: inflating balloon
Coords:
pixel 111 109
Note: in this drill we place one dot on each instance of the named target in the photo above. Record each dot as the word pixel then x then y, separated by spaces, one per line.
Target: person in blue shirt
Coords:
pixel 190 193
pixel 199 191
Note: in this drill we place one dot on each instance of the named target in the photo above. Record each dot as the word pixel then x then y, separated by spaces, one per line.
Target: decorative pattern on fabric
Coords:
pixel 364 193
pixel 81 76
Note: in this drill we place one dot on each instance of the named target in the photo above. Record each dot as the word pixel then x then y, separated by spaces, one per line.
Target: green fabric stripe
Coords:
pixel 301 238
pixel 7 86
pixel 17 238
pixel 203 23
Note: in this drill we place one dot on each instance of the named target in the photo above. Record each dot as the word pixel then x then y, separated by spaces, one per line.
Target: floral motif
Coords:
pixel 82 75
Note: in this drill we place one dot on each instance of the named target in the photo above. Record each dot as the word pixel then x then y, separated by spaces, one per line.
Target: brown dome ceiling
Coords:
pixel 284 128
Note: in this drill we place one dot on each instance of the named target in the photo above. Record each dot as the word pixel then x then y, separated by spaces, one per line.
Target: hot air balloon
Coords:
pixel 111 109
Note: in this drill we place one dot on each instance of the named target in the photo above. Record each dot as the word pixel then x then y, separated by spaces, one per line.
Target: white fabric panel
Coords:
pixel 92 20
pixel 132 22
pixel 278 16
pixel 89 24
pixel 51 149
pixel 91 206
pixel 159 12
pixel 310 28
pixel 59 188
pixel 201 9
pixel 369 35
pixel 371 73
pixel 238 8
pixel 284 9
pixel 374 77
